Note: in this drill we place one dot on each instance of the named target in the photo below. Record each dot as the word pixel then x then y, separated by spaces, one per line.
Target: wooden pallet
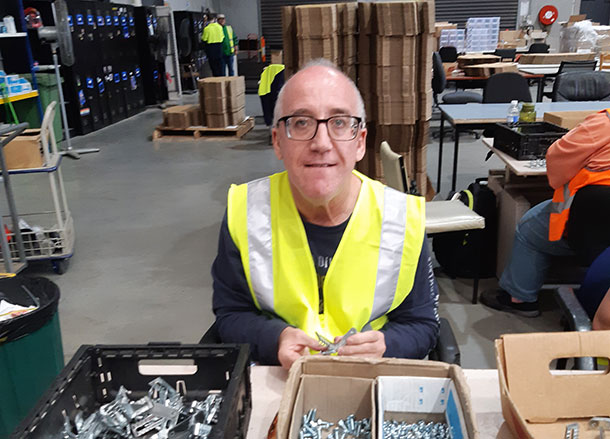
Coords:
pixel 197 132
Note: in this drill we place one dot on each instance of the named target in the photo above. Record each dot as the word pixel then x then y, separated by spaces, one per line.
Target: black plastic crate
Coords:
pixel 95 374
pixel 527 141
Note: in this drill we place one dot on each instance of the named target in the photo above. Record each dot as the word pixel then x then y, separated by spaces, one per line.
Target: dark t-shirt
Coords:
pixel 411 330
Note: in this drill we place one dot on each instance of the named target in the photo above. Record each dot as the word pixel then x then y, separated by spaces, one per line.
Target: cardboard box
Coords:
pixel 398 82
pixel 227 104
pixel 426 100
pixel 289 43
pixel 539 404
pixel 365 78
pixel 316 20
pixel 440 25
pixel 24 151
pixel 412 398
pixel 511 39
pixel 182 116
pixel 424 61
pixel 312 48
pixel 395 51
pixel 342 368
pixel 567 119
pixel 396 18
pixel 222 86
pixel 490 68
pixel 473 59
pixel 366 18
pixel 554 58
pixel 347 14
pixel 225 119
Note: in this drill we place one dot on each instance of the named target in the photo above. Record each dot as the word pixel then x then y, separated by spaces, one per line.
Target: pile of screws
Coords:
pixel 417 430
pixel 348 428
pixel 537 164
pixel 160 415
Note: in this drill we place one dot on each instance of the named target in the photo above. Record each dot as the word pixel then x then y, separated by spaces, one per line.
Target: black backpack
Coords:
pixel 456 251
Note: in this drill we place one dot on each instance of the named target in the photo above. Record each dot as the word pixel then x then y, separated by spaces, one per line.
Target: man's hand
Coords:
pixel 364 344
pixel 294 343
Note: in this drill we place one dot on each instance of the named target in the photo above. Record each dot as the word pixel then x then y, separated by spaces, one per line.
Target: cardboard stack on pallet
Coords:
pixel 182 116
pixel 391 44
pixel 222 100
pixel 347 15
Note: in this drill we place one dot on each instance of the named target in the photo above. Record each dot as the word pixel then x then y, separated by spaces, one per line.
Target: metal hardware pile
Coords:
pixel 162 414
pixel 537 164
pixel 348 428
pixel 417 430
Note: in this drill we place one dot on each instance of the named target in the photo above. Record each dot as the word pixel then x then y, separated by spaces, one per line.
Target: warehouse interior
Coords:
pixel 123 131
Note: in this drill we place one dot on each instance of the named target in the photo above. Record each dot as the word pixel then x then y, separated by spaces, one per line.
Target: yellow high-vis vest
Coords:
pixel 371 273
pixel 212 34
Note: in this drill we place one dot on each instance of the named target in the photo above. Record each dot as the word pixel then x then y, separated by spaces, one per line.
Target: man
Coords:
pixel 574 222
pixel 212 37
pixel 321 248
pixel 229 46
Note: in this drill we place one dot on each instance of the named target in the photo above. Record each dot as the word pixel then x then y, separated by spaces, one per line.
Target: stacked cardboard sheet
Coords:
pixel 222 100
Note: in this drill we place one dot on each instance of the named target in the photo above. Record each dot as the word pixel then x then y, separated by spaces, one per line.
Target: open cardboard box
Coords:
pixel 336 370
pixel 538 404
pixel 24 151
pixel 411 399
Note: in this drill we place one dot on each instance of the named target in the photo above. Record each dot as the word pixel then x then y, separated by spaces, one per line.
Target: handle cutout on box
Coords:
pixel 166 367
pixel 599 365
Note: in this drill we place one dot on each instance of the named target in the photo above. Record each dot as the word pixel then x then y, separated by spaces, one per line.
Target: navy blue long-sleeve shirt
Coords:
pixel 411 330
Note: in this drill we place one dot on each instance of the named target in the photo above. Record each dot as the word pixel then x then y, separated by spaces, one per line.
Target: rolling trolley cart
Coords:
pixel 47 234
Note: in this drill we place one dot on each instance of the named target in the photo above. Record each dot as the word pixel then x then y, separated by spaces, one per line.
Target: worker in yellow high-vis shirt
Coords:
pixel 229 46
pixel 212 37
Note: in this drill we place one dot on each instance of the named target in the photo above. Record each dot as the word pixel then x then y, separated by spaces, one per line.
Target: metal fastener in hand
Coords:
pixel 333 348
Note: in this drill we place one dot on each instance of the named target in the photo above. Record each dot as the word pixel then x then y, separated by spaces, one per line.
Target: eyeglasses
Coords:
pixel 342 128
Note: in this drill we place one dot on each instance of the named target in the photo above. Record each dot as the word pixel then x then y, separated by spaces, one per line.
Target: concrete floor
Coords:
pixel 147 216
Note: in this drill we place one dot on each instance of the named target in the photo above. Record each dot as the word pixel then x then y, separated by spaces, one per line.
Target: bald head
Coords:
pixel 317 74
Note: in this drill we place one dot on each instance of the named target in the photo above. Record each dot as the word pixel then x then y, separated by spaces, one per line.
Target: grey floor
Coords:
pixel 147 216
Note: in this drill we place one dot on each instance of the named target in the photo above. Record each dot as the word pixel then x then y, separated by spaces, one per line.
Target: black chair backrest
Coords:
pixel 576 66
pixel 448 53
pixel 506 87
pixel 582 86
pixel 538 48
pixel 439 80
pixel 506 53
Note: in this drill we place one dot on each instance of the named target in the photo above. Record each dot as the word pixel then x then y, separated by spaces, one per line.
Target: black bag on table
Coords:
pixel 456 252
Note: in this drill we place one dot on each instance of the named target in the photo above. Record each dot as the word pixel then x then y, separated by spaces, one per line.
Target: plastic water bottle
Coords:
pixel 513 114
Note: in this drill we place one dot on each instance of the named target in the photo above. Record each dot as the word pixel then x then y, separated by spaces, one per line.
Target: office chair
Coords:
pixel 581 86
pixel 576 66
pixel 538 48
pixel 439 83
pixel 448 53
pixel 505 87
pixel 506 54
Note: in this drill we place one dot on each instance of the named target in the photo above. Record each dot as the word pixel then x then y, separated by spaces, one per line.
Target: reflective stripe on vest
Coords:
pixel 370 274
pixel 563 197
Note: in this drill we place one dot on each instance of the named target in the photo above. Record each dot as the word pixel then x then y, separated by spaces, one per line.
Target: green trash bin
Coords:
pixel 31 353
pixel 27 110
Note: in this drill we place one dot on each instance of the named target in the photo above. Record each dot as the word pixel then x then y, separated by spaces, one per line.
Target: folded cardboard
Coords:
pixel 395 51
pixel 426 44
pixel 401 138
pixel 554 58
pixel 366 47
pixel 342 368
pixel 387 111
pixel 511 39
pixel 426 16
pixel 348 49
pixel 313 48
pixel 412 399
pixel 316 20
pixel 289 33
pixel 490 68
pixel 226 119
pixel 24 151
pixel 537 403
pixel 327 394
pixel 227 104
pixel 366 18
pixel 395 81
pixel 567 119
pixel 426 99
pixel 351 70
pixel 473 59
pixel 396 18
pixel 347 15
pixel 182 116
pixel 222 86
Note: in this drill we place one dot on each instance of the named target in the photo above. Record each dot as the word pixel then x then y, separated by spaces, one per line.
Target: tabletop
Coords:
pixel 268 385
pixel 491 113
pixel 518 167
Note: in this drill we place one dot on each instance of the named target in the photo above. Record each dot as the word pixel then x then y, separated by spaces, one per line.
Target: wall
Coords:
pixel 565 8
pixel 242 15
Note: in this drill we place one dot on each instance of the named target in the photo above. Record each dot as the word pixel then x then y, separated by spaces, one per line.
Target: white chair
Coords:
pixel 441 216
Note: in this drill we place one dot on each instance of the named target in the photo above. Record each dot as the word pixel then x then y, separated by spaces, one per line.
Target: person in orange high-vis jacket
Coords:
pixel 575 222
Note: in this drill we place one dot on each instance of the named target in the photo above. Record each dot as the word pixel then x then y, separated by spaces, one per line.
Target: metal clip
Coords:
pixel 571 431
pixel 600 424
pixel 333 348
